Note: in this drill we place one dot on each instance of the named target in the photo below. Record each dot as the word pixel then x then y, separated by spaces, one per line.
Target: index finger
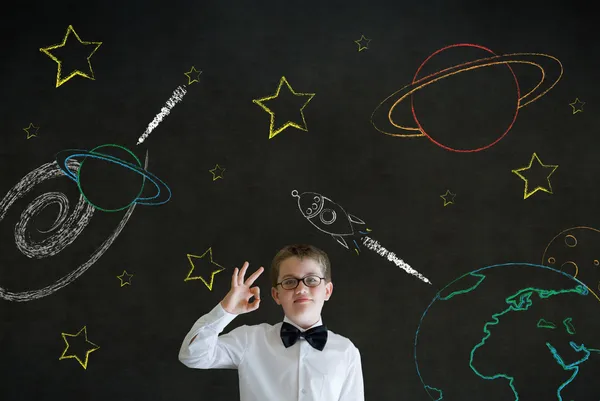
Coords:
pixel 254 276
pixel 242 273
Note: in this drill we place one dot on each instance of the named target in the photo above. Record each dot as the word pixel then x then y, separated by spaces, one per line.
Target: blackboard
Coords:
pixel 148 148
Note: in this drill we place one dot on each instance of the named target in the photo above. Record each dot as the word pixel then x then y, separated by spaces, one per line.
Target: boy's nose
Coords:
pixel 301 287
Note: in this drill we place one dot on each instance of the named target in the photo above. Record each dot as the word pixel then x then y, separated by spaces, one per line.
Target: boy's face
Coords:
pixel 303 304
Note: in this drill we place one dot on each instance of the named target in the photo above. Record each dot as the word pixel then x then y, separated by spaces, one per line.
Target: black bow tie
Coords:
pixel 317 336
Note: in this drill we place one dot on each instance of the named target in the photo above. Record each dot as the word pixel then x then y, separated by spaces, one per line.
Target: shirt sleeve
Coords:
pixel 353 388
pixel 209 350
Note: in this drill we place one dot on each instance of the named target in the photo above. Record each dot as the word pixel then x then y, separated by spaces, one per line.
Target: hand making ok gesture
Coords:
pixel 236 300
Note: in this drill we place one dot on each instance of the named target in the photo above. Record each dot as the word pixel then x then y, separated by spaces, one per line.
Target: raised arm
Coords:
pixel 202 347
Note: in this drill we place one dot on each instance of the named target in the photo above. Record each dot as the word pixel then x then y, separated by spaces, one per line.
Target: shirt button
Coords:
pixel 303 391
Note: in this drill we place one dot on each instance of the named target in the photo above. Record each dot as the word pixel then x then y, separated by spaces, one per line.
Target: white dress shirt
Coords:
pixel 267 370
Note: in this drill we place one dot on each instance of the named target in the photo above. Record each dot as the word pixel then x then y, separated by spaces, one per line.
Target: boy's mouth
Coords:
pixel 302 300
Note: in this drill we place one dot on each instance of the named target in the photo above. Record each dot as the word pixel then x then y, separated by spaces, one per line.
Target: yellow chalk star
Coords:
pixel 520 171
pixel 448 197
pixel 272 130
pixel 87 353
pixel 577 105
pixel 195 72
pixel 363 43
pixel 47 50
pixel 127 280
pixel 212 275
pixel 31 134
pixel 217 172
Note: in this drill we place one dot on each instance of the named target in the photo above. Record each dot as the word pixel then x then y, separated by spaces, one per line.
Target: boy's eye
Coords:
pixel 312 279
pixel 290 281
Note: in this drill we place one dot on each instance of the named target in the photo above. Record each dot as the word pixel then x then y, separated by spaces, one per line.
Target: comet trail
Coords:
pixel 164 111
pixel 375 246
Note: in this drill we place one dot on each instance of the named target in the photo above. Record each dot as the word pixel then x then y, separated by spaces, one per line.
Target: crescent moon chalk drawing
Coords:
pixel 575 252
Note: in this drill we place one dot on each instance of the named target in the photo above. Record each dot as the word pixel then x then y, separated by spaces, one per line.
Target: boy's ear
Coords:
pixel 275 295
pixel 328 290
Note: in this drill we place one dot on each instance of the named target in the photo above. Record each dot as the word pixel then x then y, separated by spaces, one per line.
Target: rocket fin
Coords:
pixel 355 219
pixel 341 240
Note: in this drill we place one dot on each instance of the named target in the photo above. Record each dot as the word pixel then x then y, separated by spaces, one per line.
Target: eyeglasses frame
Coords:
pixel 298 280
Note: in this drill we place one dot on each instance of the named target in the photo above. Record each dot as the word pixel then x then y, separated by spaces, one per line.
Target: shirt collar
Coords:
pixel 287 320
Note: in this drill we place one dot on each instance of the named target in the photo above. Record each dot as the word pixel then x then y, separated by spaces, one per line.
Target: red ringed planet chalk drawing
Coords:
pixel 548 65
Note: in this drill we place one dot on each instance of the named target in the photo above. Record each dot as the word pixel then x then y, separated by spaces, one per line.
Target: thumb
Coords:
pixel 255 291
pixel 255 304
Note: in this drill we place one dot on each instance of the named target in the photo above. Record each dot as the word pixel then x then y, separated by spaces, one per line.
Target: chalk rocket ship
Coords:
pixel 327 215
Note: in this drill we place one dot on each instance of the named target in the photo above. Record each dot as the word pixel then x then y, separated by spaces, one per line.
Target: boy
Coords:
pixel 297 359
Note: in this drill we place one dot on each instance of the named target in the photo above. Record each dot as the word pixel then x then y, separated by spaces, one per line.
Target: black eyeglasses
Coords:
pixel 309 281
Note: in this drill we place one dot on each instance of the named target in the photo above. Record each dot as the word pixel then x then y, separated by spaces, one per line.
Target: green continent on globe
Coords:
pixel 500 301
pixel 520 301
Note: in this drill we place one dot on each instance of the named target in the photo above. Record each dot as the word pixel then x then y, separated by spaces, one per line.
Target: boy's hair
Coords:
pixel 301 251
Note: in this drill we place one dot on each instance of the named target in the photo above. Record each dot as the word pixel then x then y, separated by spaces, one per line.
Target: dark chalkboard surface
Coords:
pixel 443 153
